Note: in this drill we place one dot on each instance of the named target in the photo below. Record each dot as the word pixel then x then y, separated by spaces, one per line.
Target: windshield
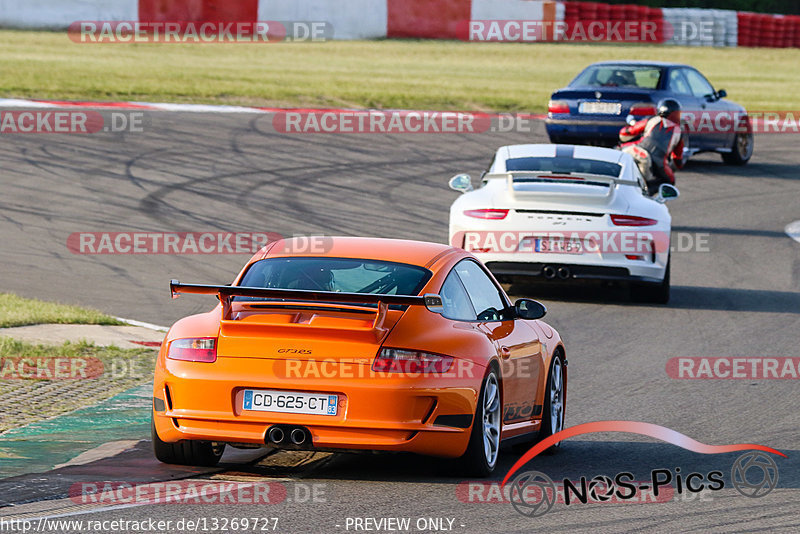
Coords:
pixel 633 76
pixel 336 274
pixel 564 165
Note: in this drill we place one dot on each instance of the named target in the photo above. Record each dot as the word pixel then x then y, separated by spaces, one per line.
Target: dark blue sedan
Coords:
pixel 594 106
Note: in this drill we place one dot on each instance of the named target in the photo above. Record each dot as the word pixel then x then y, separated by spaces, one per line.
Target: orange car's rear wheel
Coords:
pixel 484 443
pixel 186 452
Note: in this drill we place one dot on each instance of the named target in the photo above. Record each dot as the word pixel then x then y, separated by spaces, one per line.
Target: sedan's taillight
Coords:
pixel 632 220
pixel 411 361
pixel 557 106
pixel 643 109
pixel 487 214
pixel 194 349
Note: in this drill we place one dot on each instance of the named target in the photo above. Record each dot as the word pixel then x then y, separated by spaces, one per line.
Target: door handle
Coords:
pixel 505 352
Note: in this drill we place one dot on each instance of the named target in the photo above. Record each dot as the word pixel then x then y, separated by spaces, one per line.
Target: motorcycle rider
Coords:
pixel 659 147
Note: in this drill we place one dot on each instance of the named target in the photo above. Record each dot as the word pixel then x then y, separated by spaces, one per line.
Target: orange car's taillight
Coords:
pixel 411 362
pixel 194 349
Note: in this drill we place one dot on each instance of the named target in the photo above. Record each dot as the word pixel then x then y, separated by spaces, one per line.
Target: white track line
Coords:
pixel 194 108
pixel 147 106
pixel 151 326
pixel 106 450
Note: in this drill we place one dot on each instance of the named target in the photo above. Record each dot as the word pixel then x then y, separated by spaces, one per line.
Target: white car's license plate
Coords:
pixel 605 108
pixel 558 246
pixel 268 400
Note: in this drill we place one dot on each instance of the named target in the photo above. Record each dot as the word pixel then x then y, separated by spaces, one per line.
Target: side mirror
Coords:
pixel 722 93
pixel 434 303
pixel 630 120
pixel 461 182
pixel 666 192
pixel 529 309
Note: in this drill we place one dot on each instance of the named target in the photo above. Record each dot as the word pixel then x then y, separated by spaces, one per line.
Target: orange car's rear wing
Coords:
pixel 431 301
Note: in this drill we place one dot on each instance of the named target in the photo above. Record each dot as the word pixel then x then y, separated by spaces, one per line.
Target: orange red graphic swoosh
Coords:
pixel 634 427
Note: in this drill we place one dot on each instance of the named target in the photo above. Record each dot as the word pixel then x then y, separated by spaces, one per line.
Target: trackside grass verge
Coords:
pixel 19 311
pixel 407 74
pixel 41 381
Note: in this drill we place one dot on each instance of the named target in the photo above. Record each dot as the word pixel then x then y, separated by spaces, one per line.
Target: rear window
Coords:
pixel 336 274
pixel 564 165
pixel 631 76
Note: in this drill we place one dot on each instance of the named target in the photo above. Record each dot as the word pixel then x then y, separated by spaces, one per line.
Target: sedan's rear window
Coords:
pixel 564 165
pixel 336 274
pixel 630 76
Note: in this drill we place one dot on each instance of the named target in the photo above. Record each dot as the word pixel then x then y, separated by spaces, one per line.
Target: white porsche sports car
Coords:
pixel 565 212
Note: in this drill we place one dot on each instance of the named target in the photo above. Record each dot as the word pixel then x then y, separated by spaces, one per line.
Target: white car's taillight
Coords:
pixel 411 362
pixel 487 214
pixel 632 220
pixel 193 349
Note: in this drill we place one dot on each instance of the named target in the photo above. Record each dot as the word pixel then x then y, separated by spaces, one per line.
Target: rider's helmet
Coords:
pixel 669 108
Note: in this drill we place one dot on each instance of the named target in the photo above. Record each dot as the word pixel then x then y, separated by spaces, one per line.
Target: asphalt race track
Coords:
pixel 736 297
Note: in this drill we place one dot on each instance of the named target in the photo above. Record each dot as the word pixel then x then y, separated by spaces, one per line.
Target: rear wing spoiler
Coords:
pixel 431 301
pixel 550 177
pixel 584 178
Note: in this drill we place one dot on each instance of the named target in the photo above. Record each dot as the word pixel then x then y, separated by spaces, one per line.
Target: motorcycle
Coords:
pixel 643 158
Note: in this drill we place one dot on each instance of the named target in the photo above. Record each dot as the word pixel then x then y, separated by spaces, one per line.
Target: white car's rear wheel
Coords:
pixel 653 293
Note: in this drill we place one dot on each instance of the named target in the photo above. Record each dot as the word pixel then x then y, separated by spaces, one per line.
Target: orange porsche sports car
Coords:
pixel 371 344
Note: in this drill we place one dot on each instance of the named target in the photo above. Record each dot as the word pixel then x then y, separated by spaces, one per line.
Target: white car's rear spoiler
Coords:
pixel 550 177
pixel 583 178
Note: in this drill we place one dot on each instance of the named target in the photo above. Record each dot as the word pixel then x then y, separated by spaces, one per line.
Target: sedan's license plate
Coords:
pixel 605 108
pixel 558 246
pixel 267 400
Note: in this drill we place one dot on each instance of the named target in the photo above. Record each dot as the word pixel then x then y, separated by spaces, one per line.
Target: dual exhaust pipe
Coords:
pixel 550 272
pixel 280 435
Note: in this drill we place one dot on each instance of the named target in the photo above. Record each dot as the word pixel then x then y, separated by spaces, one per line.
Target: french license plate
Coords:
pixel 268 400
pixel 605 108
pixel 558 246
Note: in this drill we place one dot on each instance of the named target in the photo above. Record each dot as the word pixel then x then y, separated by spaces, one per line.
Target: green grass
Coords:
pixel 379 74
pixel 19 311
pixel 96 373
pixel 13 348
